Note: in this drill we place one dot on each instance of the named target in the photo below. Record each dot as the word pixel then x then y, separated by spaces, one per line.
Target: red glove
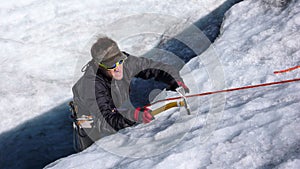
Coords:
pixel 186 89
pixel 143 115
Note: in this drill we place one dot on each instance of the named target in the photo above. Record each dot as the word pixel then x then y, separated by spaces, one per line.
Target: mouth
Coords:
pixel 116 71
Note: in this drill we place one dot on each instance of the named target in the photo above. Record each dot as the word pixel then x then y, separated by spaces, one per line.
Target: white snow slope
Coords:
pixel 255 128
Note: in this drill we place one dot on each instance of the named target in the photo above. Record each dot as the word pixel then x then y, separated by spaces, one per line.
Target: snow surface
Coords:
pixel 47 40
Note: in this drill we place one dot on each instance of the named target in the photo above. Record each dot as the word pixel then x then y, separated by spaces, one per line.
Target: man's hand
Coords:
pixel 143 115
pixel 174 85
pixel 181 84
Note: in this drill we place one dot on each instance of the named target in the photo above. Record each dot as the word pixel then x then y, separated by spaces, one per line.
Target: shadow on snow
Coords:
pixel 209 25
pixel 38 141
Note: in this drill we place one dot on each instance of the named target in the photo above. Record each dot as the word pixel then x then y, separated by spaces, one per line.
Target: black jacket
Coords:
pixel 107 100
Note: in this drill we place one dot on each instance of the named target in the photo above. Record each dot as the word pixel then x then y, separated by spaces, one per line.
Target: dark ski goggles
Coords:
pixel 114 66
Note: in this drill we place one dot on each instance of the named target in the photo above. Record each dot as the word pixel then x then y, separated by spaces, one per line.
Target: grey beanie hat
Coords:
pixel 107 52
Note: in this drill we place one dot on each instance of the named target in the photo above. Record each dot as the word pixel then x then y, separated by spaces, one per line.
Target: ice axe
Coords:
pixel 181 103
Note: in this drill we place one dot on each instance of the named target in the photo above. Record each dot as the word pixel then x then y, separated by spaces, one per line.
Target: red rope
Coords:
pixel 227 90
pixel 287 70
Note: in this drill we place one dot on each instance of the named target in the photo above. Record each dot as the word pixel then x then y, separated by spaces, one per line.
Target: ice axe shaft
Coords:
pixel 167 106
pixel 181 103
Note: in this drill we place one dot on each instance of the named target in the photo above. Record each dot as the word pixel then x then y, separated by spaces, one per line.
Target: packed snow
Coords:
pixel 45 44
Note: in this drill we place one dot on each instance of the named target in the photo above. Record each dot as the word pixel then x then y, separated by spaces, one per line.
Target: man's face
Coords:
pixel 116 73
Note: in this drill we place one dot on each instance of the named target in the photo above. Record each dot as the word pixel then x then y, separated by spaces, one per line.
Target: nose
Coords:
pixel 118 68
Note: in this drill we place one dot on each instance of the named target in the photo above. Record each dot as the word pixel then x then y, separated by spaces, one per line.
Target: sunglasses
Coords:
pixel 114 66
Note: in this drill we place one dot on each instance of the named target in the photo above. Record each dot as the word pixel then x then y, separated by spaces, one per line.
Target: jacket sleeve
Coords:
pixel 109 114
pixel 146 69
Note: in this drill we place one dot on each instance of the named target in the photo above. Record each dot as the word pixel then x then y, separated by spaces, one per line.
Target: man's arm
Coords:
pixel 106 112
pixel 146 68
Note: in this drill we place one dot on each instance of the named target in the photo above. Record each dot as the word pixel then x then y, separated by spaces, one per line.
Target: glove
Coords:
pixel 186 89
pixel 143 115
pixel 174 85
